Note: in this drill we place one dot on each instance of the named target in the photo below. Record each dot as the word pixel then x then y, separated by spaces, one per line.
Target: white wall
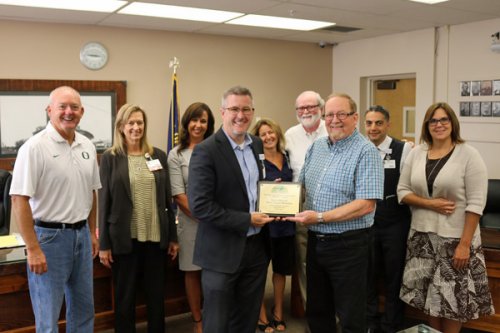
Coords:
pixel 440 59
pixel 471 59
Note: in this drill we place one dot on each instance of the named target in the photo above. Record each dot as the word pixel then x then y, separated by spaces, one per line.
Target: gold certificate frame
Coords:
pixel 279 198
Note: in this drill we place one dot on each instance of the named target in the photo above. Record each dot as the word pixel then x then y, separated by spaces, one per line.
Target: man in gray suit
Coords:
pixel 231 241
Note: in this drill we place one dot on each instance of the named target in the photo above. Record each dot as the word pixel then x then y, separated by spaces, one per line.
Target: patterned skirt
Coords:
pixel 431 284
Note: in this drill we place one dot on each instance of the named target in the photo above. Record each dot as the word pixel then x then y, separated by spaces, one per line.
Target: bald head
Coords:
pixel 65 111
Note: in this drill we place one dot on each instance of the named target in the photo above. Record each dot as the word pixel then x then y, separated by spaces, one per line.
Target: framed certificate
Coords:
pixel 279 198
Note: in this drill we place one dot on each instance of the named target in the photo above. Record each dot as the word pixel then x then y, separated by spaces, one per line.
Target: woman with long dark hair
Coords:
pixel 197 124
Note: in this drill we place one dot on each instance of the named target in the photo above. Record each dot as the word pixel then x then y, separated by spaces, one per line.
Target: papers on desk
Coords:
pixel 10 241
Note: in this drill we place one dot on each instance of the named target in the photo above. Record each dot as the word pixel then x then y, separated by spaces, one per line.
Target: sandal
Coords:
pixel 265 327
pixel 277 323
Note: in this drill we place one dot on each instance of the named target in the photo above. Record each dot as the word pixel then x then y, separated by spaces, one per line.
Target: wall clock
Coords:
pixel 93 55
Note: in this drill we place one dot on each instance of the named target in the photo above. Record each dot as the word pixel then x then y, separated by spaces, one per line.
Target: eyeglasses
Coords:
pixel 340 115
pixel 235 110
pixel 442 121
pixel 306 107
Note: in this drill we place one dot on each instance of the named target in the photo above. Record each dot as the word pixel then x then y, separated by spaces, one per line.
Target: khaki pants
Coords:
pixel 301 251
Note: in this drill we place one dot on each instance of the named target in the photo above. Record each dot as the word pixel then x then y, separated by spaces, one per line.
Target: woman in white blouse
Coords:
pixel 197 124
pixel 444 181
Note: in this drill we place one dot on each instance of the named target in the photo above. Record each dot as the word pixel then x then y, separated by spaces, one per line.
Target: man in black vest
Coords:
pixel 390 230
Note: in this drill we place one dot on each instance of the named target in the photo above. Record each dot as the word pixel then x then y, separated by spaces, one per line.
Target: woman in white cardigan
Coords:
pixel 444 181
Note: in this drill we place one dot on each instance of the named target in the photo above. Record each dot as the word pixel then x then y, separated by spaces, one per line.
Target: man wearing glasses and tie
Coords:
pixel 343 178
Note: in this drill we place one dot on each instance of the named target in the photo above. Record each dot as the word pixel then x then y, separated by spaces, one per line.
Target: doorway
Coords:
pixel 397 94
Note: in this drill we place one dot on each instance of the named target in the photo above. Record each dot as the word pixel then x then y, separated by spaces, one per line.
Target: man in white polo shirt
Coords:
pixel 308 108
pixel 53 193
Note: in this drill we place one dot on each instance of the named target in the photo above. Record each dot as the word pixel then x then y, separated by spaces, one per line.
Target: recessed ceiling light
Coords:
pixel 177 12
pixel 279 22
pixel 429 2
pixel 107 6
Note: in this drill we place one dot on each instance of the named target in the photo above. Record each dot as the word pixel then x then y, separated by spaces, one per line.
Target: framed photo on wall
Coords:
pixel 496 87
pixel 485 109
pixel 475 87
pixel 486 88
pixel 495 109
pixel 23 103
pixel 464 109
pixel 465 88
pixel 475 109
pixel 17 127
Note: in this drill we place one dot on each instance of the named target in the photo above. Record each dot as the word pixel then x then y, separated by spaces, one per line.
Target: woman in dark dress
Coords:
pixel 282 233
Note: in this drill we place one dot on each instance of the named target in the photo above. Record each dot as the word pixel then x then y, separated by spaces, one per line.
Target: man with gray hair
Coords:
pixel 308 108
pixel 343 178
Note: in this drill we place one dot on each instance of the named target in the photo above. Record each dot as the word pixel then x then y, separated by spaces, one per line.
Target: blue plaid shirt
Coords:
pixel 335 174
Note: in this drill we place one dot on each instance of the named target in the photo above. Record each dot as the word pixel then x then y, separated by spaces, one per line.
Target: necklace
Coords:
pixel 434 168
pixel 446 156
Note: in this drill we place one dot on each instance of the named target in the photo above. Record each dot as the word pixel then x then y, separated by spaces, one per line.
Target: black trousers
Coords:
pixel 231 301
pixel 144 266
pixel 336 281
pixel 387 264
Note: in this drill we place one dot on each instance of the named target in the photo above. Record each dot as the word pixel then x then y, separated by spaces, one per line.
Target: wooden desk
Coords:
pixel 17 314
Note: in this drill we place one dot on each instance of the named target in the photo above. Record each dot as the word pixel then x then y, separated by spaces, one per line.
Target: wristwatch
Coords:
pixel 320 218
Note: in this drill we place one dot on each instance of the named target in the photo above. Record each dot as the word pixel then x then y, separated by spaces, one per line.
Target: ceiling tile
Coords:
pixel 374 17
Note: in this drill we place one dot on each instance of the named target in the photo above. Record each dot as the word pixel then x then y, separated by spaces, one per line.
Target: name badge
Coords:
pixel 154 165
pixel 389 164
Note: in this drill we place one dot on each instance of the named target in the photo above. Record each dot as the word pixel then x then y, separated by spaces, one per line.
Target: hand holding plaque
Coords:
pixel 279 198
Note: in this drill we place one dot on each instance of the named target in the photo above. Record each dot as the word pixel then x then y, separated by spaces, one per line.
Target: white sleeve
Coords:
pixel 27 171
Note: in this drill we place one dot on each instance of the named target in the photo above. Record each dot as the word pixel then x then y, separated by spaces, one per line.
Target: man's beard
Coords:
pixel 309 122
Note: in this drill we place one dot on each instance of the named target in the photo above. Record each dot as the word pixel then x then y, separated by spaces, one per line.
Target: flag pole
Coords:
pixel 173 121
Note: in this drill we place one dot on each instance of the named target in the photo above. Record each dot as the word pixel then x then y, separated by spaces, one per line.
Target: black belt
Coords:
pixel 343 235
pixel 57 225
pixel 253 237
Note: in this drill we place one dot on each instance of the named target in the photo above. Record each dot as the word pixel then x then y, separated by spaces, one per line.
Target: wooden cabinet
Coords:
pixel 17 315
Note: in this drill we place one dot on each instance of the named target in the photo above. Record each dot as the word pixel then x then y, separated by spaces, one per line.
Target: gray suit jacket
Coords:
pixel 218 199
pixel 115 203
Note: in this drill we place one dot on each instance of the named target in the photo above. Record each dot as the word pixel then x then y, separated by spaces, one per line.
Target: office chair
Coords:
pixel 491 213
pixel 5 205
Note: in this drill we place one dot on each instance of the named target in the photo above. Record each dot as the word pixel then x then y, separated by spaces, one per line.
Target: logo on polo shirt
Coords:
pixel 85 155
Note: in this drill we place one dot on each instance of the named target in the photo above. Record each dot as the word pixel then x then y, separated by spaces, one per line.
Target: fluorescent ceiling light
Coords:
pixel 279 22
pixel 429 2
pixel 177 12
pixel 107 6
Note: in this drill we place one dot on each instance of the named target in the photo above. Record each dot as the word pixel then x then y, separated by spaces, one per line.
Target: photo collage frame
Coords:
pixel 487 107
